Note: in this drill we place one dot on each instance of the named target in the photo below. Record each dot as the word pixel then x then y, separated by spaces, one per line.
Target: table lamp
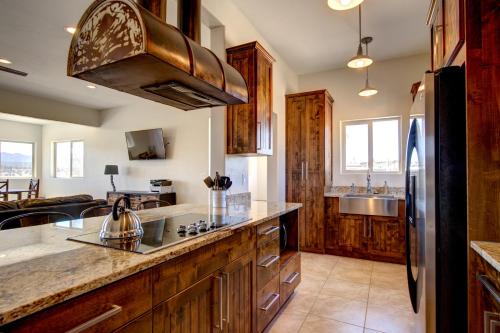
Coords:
pixel 111 170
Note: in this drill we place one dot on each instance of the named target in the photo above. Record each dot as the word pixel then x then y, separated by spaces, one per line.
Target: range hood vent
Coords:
pixel 124 46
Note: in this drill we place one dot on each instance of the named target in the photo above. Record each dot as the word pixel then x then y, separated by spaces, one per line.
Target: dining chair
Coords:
pixel 32 219
pixel 95 211
pixel 4 189
pixel 34 188
pixel 148 204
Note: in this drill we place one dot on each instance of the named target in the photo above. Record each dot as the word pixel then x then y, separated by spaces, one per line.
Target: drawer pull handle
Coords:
pixel 269 305
pixel 270 262
pixel 292 278
pixel 270 231
pixel 115 309
pixel 485 281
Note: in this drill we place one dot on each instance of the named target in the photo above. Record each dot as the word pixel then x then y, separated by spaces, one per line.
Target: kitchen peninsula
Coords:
pixel 223 279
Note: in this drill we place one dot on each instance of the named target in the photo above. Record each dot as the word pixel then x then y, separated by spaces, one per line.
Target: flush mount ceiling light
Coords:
pixel 5 61
pixel 343 4
pixel 70 30
pixel 360 60
pixel 367 90
pixel 91 86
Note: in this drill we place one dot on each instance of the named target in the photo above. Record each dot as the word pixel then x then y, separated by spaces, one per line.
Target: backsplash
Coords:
pixel 398 192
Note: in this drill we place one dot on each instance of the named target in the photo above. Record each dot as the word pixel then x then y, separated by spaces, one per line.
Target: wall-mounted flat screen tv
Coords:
pixel 146 145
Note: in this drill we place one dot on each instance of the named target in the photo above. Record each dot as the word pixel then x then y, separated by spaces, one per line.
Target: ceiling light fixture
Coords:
pixel 5 61
pixel 91 86
pixel 343 4
pixel 71 30
pixel 360 60
pixel 367 90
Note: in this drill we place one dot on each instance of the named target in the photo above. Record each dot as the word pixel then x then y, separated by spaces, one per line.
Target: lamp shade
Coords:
pixel 343 4
pixel 111 169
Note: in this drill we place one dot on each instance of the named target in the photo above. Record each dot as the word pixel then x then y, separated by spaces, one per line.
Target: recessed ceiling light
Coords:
pixel 71 30
pixel 91 86
pixel 5 61
pixel 343 4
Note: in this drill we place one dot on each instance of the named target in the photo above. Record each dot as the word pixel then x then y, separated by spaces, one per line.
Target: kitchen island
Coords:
pixel 40 268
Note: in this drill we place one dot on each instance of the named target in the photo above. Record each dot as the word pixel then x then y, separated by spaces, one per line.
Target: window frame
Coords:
pixel 369 122
pixel 54 159
pixel 33 159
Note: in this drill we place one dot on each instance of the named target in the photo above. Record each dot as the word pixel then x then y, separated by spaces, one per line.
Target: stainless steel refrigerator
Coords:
pixel 436 203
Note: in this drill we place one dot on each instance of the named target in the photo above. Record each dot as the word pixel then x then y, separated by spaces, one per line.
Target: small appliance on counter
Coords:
pixel 161 186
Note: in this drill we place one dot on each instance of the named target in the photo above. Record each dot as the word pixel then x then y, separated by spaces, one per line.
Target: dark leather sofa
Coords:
pixel 72 205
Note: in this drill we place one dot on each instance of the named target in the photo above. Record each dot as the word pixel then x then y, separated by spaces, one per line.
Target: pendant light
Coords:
pixel 343 4
pixel 367 90
pixel 360 60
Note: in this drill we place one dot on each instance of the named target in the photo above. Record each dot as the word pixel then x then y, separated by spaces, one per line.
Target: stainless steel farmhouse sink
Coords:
pixel 369 204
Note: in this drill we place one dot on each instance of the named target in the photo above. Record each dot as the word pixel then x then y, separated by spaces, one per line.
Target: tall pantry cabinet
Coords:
pixel 309 161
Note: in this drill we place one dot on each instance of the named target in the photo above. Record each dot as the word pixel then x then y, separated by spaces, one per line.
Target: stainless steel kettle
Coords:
pixel 121 223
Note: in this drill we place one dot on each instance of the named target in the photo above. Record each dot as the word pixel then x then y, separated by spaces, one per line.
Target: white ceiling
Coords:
pixel 306 33
pixel 311 37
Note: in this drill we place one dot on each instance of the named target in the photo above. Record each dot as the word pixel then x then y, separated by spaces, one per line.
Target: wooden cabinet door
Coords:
pixel 331 223
pixel 295 156
pixel 241 118
pixel 385 236
pixel 195 310
pixel 454 29
pixel 351 233
pixel 239 294
pixel 437 37
pixel 264 104
pixel 314 173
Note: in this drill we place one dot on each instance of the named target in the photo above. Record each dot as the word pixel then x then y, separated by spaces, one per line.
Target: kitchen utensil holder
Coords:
pixel 219 199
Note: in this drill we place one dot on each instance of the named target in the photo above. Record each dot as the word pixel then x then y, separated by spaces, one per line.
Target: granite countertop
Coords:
pixel 39 267
pixel 338 191
pixel 489 251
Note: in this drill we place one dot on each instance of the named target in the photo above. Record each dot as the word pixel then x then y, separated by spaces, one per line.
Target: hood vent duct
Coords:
pixel 127 46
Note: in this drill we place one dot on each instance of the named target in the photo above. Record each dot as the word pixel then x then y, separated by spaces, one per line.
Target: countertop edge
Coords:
pixel 44 302
pixel 478 246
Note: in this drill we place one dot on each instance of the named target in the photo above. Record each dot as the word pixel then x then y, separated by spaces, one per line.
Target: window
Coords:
pixel 68 159
pixel 372 144
pixel 16 159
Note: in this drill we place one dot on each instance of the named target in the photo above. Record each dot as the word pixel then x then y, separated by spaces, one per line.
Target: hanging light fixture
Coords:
pixel 360 60
pixel 343 4
pixel 367 90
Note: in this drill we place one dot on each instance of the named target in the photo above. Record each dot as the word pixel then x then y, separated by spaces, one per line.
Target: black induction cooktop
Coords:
pixel 165 232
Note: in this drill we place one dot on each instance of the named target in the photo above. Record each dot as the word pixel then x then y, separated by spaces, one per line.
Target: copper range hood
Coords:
pixel 128 46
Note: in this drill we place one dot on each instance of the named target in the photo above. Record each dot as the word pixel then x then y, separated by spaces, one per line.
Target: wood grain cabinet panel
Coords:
pixel 385 237
pixel 240 295
pixel 454 29
pixel 194 310
pixel 308 161
pixel 369 237
pixel 249 126
pixel 116 300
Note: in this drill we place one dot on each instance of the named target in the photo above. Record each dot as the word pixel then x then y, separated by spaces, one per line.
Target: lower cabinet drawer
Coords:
pixel 290 277
pixel 268 303
pixel 268 231
pixel 268 262
pixel 143 324
pixel 103 310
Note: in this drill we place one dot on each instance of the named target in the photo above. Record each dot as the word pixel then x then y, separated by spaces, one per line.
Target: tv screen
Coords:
pixel 146 145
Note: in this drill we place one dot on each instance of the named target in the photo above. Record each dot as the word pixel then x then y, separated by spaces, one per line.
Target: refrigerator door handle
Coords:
pixel 410 212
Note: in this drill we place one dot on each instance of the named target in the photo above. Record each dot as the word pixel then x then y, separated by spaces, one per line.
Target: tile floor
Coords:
pixel 345 295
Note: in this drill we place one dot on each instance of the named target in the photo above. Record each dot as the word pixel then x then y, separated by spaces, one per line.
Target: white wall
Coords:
pixel 18 131
pixel 393 79
pixel 239 30
pixel 187 152
pixel 42 108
